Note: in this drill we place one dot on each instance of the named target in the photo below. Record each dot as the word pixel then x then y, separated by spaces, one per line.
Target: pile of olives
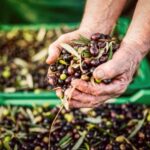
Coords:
pixel 80 58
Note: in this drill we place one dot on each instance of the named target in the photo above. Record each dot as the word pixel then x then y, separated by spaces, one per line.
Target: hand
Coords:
pixel 55 48
pixel 121 69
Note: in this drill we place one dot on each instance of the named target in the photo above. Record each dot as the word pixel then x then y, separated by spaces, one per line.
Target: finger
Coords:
pixel 83 97
pixel 76 104
pixel 79 104
pixel 53 52
pixel 116 87
pixel 55 48
pixel 108 70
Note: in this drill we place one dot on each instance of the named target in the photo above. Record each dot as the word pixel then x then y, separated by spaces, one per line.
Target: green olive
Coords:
pixel 63 76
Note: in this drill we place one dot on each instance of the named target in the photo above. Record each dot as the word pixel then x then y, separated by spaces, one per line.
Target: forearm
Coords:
pixel 101 15
pixel 138 33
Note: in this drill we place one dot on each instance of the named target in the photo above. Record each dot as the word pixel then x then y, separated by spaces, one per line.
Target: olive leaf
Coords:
pixel 86 54
pixel 21 62
pixel 16 147
pixel 65 141
pixel 87 146
pixel 65 102
pixel 133 147
pixel 81 40
pixel 70 50
pixel 38 130
pixel 110 51
pixel 96 120
pixel 138 126
pixel 80 141
pixel 29 80
pixel 30 115
pixel 40 55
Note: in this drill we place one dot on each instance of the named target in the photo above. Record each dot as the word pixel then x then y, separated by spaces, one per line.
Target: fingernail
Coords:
pixel 100 74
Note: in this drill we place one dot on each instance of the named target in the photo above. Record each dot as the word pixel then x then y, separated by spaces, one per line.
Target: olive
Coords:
pixel 70 71
pixel 107 81
pixel 77 74
pixel 103 59
pixel 94 51
pixel 92 69
pixel 53 68
pixel 63 76
pixel 60 67
pixel 65 71
pixel 101 44
pixel 84 66
pixel 77 69
pixel 61 82
pixel 66 57
pixel 68 80
pixel 96 36
pixel 95 62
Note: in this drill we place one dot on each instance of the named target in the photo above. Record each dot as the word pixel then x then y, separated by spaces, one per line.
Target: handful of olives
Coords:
pixel 80 58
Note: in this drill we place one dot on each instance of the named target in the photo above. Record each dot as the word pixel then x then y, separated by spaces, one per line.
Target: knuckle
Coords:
pixel 110 71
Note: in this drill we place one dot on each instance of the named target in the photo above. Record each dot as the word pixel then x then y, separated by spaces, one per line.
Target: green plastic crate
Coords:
pixel 141 97
pixel 141 81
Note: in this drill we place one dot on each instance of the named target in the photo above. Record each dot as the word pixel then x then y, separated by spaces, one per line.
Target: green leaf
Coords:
pixel 96 120
pixel 64 139
pixel 138 126
pixel 86 54
pixel 66 143
pixel 80 141
pixel 38 130
pixel 87 146
pixel 6 141
pixel 16 147
pixel 110 51
pixel 133 147
pixel 82 40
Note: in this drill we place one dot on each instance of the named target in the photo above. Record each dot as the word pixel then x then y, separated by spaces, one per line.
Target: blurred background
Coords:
pixel 28 107
pixel 41 11
pixel 28 27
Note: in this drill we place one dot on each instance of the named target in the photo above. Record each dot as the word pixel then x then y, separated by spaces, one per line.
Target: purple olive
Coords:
pixel 101 44
pixel 68 80
pixel 70 71
pixel 96 36
pixel 77 74
pixel 94 51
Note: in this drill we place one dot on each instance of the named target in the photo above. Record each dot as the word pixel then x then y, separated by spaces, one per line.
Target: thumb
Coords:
pixel 107 70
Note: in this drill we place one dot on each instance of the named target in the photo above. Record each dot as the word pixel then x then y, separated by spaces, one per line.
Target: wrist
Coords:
pixel 104 27
pixel 138 44
pixel 132 49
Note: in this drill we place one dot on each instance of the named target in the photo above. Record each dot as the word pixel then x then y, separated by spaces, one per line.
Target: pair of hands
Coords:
pixel 121 69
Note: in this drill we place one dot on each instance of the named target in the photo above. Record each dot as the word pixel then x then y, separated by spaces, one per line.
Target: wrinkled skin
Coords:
pixel 125 61
pixel 121 69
